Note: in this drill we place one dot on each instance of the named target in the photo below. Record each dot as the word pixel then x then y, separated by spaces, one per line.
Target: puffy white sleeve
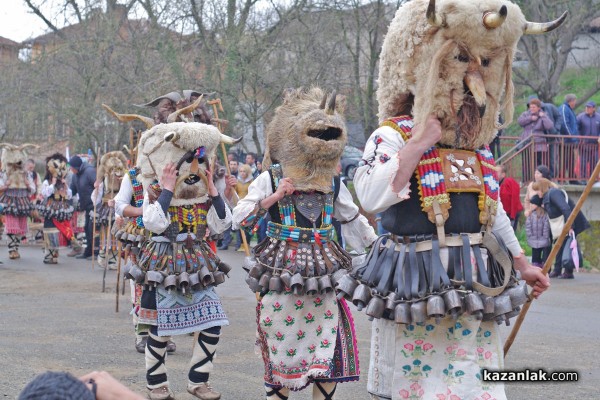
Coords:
pixel 245 212
pixel 97 194
pixel 355 228
pixel 123 197
pixel 216 224
pixel 503 228
pixel 154 218
pixel 48 189
pixel 373 180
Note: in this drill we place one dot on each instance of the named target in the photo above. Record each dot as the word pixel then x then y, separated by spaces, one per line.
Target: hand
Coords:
pixel 169 177
pixel 54 180
pixel 108 388
pixel 111 203
pixel 285 188
pixel 534 117
pixel 428 133
pixel 541 114
pixel 212 189
pixel 533 276
pixel 230 181
pixel 96 184
pixel 119 221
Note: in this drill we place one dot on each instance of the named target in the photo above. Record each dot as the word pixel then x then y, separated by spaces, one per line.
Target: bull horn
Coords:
pixel 149 122
pixel 185 110
pixel 492 19
pixel 171 137
pixel 322 105
pixel 229 140
pixel 331 105
pixel 536 28
pixel 9 146
pixel 432 17
pixel 26 145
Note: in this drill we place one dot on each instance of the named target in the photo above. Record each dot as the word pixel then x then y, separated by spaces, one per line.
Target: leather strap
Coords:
pixel 492 244
pixel 466 262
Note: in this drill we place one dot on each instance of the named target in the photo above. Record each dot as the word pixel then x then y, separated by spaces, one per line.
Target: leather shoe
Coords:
pixel 203 391
pixel 567 275
pixel 75 252
pixel 141 345
pixel 161 393
pixel 171 347
pixel 554 274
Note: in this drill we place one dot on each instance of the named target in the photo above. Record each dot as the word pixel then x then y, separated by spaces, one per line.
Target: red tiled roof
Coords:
pixel 8 43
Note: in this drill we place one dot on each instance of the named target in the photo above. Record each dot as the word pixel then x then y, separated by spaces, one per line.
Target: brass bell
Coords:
pixel 346 286
pixel 170 282
pixel 418 312
pixel 361 296
pixel 275 284
pixel 311 286
pixel 297 282
pixel 286 278
pixel 502 306
pixel 337 275
pixel 253 283
pixel 183 281
pixel 325 284
pixel 376 307
pixel 219 277
pixel 518 294
pixel 436 308
pixel 257 270
pixel 488 307
pixel 195 283
pixel 206 277
pixel 453 303
pixel 402 313
pixel 474 305
pixel 264 280
pixel 225 268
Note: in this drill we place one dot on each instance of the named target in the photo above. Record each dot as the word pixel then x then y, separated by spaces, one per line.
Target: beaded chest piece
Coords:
pixel 138 193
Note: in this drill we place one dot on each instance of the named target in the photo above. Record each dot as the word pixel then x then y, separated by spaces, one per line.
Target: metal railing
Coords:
pixel 571 159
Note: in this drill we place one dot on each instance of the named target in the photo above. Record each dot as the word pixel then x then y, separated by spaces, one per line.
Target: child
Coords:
pixel 537 227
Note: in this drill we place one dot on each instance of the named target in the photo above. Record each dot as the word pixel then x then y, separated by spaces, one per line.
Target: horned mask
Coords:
pixel 307 137
pixel 453 58
pixel 13 163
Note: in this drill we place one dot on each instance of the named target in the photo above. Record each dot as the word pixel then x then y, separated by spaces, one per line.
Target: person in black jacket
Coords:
pixel 556 202
pixel 84 176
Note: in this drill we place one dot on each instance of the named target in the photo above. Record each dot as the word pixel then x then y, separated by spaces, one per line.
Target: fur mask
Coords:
pixel 453 58
pixel 191 145
pixel 56 166
pixel 13 163
pixel 113 165
pixel 307 137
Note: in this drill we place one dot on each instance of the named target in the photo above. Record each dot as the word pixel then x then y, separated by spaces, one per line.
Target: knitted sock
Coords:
pixel 48 256
pixel 204 351
pixel 156 371
pixel 280 393
pixel 13 242
pixel 324 390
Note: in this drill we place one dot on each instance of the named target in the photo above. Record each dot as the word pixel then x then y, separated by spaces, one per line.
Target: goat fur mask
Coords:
pixel 307 137
pixel 13 163
pixel 453 58
pixel 113 166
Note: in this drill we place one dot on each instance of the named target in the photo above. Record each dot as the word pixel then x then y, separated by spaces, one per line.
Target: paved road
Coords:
pixel 55 317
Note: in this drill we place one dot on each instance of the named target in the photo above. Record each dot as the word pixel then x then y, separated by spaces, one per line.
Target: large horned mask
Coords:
pixel 453 58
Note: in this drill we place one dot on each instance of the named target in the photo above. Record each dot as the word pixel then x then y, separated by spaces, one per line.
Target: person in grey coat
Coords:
pixel 84 176
pixel 537 228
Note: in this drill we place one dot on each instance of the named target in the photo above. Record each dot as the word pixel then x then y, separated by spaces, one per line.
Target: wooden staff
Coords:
pixel 214 104
pixel 107 237
pixel 95 202
pixel 119 248
pixel 553 253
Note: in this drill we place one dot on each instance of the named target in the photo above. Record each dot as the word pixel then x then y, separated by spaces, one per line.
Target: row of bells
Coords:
pixel 127 237
pixel 59 214
pixel 436 306
pixel 262 279
pixel 183 281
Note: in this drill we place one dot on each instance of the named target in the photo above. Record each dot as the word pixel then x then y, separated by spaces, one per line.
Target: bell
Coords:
pixel 275 284
pixel 225 268
pixel 488 307
pixel 297 282
pixel 195 283
pixel 286 278
pixel 474 305
pixel 131 237
pixel 183 281
pixel 154 278
pixel 125 269
pixel 219 277
pixel 402 313
pixel 253 284
pixel 418 312
pixel 346 286
pixel 118 235
pixel 518 294
pixel 139 239
pixel 502 306
pixel 206 277
pixel 337 275
pixel 311 286
pixel 325 284
pixel 264 281
pixel 453 303
pixel 170 282
pixel 513 313
pixel 436 308
pixel 248 263
pixel 136 274
pixel 390 303
pixel 256 270
pixel 376 307
pixel 361 296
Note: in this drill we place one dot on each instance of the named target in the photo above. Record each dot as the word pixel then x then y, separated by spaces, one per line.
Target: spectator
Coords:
pixel 541 171
pixel 30 168
pixel 233 167
pixel 588 124
pixel 510 195
pixel 232 157
pixel 553 114
pixel 535 123
pixel 568 127
pixel 556 202
pixel 241 188
pixel 84 176
pixel 259 166
pixel 537 228
pixel 251 162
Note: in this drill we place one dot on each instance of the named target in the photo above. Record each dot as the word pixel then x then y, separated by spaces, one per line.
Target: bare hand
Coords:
pixel 541 114
pixel 212 189
pixel 111 203
pixel 169 177
pixel 285 188
pixel 533 276
pixel 96 184
pixel 53 180
pixel 119 221
pixel 428 133
pixel 534 117
pixel 230 181
pixel 108 388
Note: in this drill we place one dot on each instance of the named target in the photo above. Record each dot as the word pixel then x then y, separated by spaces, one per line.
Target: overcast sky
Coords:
pixel 16 23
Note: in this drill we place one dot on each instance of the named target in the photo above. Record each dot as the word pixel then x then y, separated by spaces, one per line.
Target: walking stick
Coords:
pixel 94 217
pixel 107 238
pixel 119 248
pixel 553 253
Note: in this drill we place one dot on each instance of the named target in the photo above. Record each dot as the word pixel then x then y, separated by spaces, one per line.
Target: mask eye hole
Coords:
pixel 462 58
pixel 485 62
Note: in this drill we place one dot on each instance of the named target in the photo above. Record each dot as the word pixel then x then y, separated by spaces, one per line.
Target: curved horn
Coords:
pixel 536 28
pixel 9 146
pixel 26 145
pixel 185 110
pixel 331 105
pixel 323 101
pixel 492 19
pixel 432 17
pixel 129 117
pixel 229 140
pixel 171 137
